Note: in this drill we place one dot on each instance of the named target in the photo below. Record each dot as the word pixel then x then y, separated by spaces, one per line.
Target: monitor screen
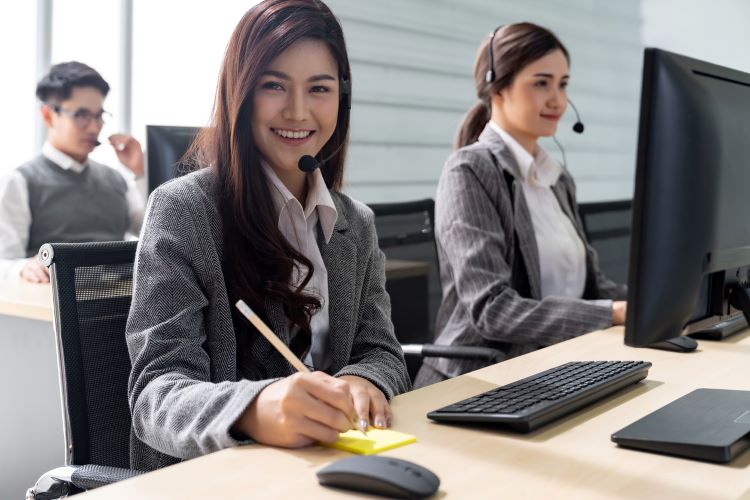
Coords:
pixel 690 240
pixel 165 147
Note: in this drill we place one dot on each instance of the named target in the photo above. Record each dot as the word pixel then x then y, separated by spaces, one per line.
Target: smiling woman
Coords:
pixel 518 273
pixel 251 225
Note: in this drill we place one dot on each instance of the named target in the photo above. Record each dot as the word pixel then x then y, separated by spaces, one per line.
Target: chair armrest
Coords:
pixel 454 352
pixel 88 477
pixel 65 481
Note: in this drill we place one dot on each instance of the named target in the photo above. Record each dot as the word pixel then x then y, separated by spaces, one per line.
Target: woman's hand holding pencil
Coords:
pixel 308 406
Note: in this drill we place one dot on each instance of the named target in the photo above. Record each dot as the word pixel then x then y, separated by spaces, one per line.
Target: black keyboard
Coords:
pixel 536 400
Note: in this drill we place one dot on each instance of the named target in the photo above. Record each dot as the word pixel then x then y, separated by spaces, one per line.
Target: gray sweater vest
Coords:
pixel 70 207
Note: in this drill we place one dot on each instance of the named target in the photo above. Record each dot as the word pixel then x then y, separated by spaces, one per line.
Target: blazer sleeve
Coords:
pixel 176 408
pixel 471 236
pixel 376 353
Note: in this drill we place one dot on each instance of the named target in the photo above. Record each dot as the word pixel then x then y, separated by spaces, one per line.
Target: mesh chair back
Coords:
pixel 607 227
pixel 406 236
pixel 92 286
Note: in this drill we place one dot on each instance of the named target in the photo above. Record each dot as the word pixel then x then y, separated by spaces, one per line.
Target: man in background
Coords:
pixel 62 195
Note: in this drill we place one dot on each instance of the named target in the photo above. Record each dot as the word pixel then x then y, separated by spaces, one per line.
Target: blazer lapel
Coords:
pixel 279 323
pixel 524 228
pixel 562 190
pixel 340 258
pixel 561 193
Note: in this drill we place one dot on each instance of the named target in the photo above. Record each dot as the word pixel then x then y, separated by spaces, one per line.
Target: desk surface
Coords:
pixel 34 301
pixel 395 268
pixel 572 458
pixel 26 300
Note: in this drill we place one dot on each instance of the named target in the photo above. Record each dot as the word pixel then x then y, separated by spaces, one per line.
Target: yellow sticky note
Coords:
pixel 377 440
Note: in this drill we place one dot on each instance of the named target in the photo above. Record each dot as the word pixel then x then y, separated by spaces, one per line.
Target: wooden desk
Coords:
pixel 26 300
pixel 34 301
pixel 397 269
pixel 573 458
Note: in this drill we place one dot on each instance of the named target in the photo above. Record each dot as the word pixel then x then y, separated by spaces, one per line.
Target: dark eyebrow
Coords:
pixel 277 74
pixel 284 76
pixel 318 78
pixel 550 75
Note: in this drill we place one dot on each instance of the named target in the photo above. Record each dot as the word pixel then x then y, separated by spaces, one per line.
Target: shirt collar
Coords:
pixel 539 170
pixel 318 197
pixel 61 159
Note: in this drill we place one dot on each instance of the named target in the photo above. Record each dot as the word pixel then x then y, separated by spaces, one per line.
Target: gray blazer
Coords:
pixel 489 262
pixel 189 383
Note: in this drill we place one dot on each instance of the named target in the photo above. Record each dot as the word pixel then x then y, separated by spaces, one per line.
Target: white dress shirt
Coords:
pixel 562 255
pixel 299 227
pixel 15 214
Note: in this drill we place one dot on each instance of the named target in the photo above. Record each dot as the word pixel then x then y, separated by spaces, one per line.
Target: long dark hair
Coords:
pixel 514 46
pixel 257 260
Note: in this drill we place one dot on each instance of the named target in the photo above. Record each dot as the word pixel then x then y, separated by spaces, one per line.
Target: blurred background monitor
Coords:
pixel 165 147
pixel 690 239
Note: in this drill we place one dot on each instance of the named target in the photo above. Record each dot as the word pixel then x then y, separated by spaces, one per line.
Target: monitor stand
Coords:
pixel 677 344
pixel 739 298
pixel 723 329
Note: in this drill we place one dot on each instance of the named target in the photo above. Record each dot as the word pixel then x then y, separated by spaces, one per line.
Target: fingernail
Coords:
pixel 379 423
pixel 389 422
pixel 363 424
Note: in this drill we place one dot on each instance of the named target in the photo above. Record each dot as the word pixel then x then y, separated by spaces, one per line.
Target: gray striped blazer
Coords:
pixel 189 383
pixel 489 263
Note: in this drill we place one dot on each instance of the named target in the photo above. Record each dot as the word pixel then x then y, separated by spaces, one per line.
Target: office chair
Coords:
pixel 607 227
pixel 91 287
pixel 406 236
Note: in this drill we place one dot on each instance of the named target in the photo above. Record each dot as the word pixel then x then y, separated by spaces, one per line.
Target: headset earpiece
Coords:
pixel 346 92
pixel 490 76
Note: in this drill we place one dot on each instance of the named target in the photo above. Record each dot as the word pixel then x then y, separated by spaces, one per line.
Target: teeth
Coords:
pixel 292 134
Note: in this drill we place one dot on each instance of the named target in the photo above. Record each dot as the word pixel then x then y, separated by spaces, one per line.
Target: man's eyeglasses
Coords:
pixel 82 117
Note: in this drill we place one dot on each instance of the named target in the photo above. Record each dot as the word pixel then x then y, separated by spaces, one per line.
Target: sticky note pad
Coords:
pixel 377 440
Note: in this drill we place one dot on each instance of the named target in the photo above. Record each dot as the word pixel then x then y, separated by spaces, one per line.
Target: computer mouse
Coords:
pixel 681 344
pixel 386 476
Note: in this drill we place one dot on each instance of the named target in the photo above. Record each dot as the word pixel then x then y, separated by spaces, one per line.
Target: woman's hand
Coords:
pixel 619 311
pixel 300 410
pixel 369 402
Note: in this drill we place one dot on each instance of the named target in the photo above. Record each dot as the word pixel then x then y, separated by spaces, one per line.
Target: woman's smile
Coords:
pixel 292 137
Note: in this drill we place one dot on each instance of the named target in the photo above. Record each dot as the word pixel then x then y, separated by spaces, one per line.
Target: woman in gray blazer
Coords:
pixel 252 225
pixel 516 269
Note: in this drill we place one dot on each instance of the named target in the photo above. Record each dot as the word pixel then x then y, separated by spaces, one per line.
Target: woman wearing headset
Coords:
pixel 251 225
pixel 517 271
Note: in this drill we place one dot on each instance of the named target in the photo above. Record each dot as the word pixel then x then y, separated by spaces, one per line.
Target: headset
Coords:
pixel 346 92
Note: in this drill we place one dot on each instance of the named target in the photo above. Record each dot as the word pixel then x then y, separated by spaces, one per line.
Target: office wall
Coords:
pixel 412 65
pixel 17 83
pixel 719 34
pixel 412 75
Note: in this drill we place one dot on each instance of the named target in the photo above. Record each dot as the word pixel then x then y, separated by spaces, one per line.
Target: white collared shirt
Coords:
pixel 299 227
pixel 562 255
pixel 15 213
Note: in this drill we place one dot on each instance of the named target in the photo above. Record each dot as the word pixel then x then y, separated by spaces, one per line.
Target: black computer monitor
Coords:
pixel 166 146
pixel 690 243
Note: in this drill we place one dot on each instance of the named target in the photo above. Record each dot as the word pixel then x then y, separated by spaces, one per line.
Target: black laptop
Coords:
pixel 706 424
